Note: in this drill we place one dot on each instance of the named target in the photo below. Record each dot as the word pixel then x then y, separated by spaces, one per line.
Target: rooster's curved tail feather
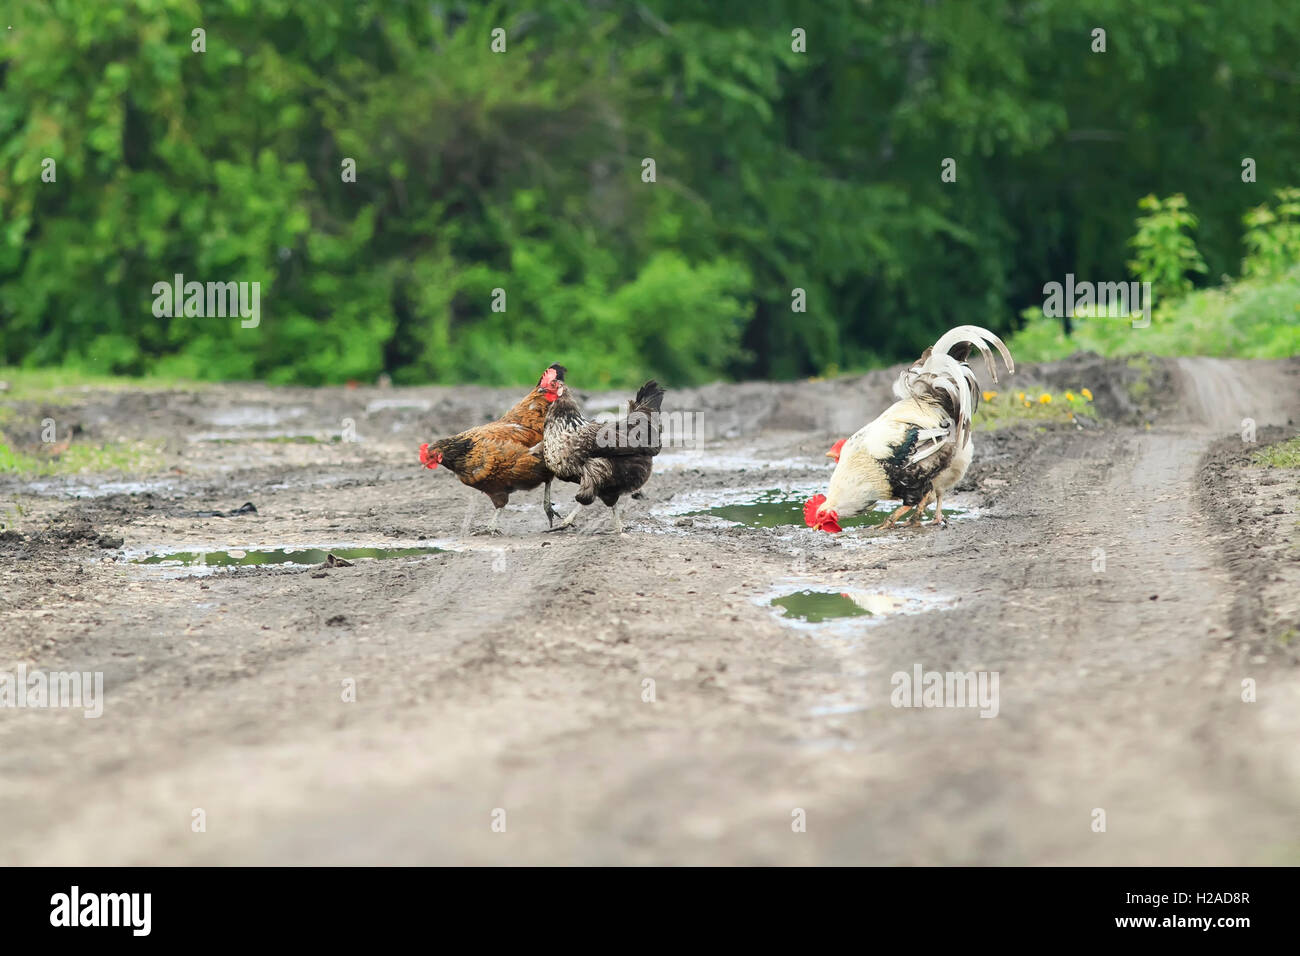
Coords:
pixel 942 376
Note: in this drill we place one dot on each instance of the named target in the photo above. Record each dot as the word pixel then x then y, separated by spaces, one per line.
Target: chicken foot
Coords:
pixel 551 513
pixel 920 510
pixel 567 521
pixel 939 519
pixel 890 521
pixel 492 528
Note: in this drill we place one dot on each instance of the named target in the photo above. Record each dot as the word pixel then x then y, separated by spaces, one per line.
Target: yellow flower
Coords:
pixel 1044 399
pixel 1020 396
pixel 989 396
pixel 1069 396
pixel 1028 404
pixel 1086 394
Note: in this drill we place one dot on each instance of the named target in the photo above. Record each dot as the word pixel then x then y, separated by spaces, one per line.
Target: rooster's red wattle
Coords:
pixel 827 521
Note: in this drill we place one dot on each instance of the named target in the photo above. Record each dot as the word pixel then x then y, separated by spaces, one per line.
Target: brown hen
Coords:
pixel 495 458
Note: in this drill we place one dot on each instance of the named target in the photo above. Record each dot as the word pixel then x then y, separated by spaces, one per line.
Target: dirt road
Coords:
pixel 1122 580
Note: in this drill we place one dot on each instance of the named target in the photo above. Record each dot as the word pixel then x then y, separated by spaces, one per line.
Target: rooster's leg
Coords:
pixel 920 510
pixel 889 522
pixel 939 519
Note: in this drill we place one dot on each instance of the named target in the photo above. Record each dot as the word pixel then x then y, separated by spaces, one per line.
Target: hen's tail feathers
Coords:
pixel 639 432
pixel 648 398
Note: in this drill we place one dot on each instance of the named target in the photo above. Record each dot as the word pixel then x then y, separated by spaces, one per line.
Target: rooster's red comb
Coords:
pixel 835 449
pixel 810 509
pixel 826 521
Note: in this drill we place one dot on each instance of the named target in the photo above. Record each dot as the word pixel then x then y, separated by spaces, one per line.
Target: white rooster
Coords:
pixel 920 446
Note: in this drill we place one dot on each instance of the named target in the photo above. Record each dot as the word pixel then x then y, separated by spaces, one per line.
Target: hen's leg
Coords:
pixel 498 502
pixel 551 513
pixel 889 522
pixel 569 520
pixel 618 517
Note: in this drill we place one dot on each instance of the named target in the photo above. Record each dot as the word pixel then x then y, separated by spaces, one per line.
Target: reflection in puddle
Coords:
pixel 306 556
pixel 814 607
pixel 817 606
pixel 775 509
pixel 816 603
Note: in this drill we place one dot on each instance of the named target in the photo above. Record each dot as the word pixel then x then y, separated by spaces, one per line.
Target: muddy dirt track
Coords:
pixel 1122 579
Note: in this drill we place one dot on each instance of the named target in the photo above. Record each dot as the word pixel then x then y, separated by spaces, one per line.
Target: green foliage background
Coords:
pixel 522 170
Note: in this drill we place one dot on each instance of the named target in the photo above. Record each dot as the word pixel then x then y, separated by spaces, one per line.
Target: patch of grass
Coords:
pixel 133 457
pixel 1247 318
pixel 1001 409
pixel 1142 387
pixel 44 384
pixel 9 515
pixel 1284 454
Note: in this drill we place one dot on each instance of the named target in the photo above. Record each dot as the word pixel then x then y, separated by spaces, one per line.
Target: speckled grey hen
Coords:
pixel 606 459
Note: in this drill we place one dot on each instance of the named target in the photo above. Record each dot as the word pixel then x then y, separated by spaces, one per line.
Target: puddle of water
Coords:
pixel 814 607
pixel 56 488
pixel 245 416
pixel 775 509
pixel 306 556
pixel 389 404
pixel 677 458
pixel 836 710
pixel 803 604
pixel 230 438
